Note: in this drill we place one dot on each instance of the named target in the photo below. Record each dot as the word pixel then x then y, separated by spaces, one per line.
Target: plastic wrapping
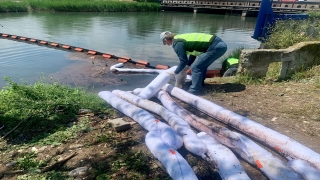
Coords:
pixel 270 165
pixel 191 141
pixel 220 133
pixel 154 86
pixel 227 164
pixel 274 139
pixel 304 169
pixel 176 166
pixel 144 118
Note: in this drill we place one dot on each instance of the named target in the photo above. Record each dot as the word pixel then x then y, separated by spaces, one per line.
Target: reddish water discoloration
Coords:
pixel 95 71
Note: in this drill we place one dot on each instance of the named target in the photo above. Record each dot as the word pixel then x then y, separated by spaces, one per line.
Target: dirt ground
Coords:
pixel 291 108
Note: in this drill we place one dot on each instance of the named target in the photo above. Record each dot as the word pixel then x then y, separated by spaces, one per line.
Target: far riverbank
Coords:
pixel 78 6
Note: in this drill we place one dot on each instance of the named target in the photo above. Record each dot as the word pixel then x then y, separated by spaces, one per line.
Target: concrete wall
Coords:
pixel 301 55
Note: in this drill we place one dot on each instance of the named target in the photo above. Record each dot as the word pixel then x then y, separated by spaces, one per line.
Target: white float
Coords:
pixel 305 161
pixel 227 163
pixel 182 77
pixel 154 86
pixel 117 68
pixel 176 166
pixel 161 139
pixel 144 118
pixel 270 165
pixel 220 133
pixel 304 169
pixel 274 139
pixel 191 141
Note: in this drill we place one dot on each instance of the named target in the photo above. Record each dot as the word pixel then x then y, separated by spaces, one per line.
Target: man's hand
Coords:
pixel 170 73
pixel 181 77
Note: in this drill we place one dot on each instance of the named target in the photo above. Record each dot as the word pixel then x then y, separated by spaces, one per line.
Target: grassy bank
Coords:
pixel 286 33
pixel 283 34
pixel 78 6
pixel 48 124
pixel 43 109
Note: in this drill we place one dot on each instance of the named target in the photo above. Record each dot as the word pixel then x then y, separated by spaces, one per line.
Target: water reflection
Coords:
pixel 135 35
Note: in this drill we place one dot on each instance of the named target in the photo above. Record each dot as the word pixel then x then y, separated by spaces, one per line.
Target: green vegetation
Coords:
pixel 12 6
pixel 132 161
pixel 313 13
pixel 44 109
pixel 273 73
pixel 235 53
pixel 50 115
pixel 78 6
pixel 273 76
pixel 28 161
pixel 286 33
pixel 48 175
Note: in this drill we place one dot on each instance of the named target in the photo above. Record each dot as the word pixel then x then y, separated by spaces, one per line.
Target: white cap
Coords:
pixel 164 35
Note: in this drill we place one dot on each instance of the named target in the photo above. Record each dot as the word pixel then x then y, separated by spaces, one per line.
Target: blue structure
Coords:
pixel 267 17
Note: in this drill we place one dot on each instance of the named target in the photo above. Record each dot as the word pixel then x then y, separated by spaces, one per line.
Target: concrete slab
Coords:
pixel 119 124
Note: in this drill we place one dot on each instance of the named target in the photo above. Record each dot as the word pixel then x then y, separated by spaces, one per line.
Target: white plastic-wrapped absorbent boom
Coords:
pixel 242 146
pixel 279 142
pixel 267 163
pixel 191 141
pixel 116 68
pixel 161 139
pixel 154 86
pixel 220 133
pixel 180 78
pixel 176 166
pixel 228 165
pixel 304 169
pixel 221 155
pixel 144 118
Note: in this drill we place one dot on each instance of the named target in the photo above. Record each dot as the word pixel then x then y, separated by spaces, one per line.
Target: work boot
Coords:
pixel 196 93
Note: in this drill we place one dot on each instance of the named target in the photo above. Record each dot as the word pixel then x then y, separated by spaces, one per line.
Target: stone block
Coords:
pixel 119 124
pixel 256 61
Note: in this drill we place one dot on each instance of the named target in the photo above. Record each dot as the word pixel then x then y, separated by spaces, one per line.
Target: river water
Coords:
pixel 131 34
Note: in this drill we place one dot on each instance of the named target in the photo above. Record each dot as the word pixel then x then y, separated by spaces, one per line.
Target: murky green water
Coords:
pixel 135 35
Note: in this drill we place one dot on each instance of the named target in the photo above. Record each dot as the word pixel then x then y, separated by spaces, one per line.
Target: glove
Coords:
pixel 170 73
pixel 181 77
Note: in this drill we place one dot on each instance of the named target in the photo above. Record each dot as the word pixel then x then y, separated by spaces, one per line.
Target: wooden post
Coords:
pixel 194 10
pixel 244 13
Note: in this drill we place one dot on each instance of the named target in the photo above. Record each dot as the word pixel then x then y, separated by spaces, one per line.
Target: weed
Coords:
pixel 103 177
pixel 132 161
pixel 248 79
pixel 107 137
pixel 317 82
pixel 273 70
pixel 313 13
pixel 28 161
pixel 46 108
pixel 99 169
pixel 235 53
pixel 62 135
pixel 48 175
pixel 286 33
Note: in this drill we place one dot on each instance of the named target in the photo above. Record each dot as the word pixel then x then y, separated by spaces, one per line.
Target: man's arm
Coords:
pixel 182 55
pixel 192 58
